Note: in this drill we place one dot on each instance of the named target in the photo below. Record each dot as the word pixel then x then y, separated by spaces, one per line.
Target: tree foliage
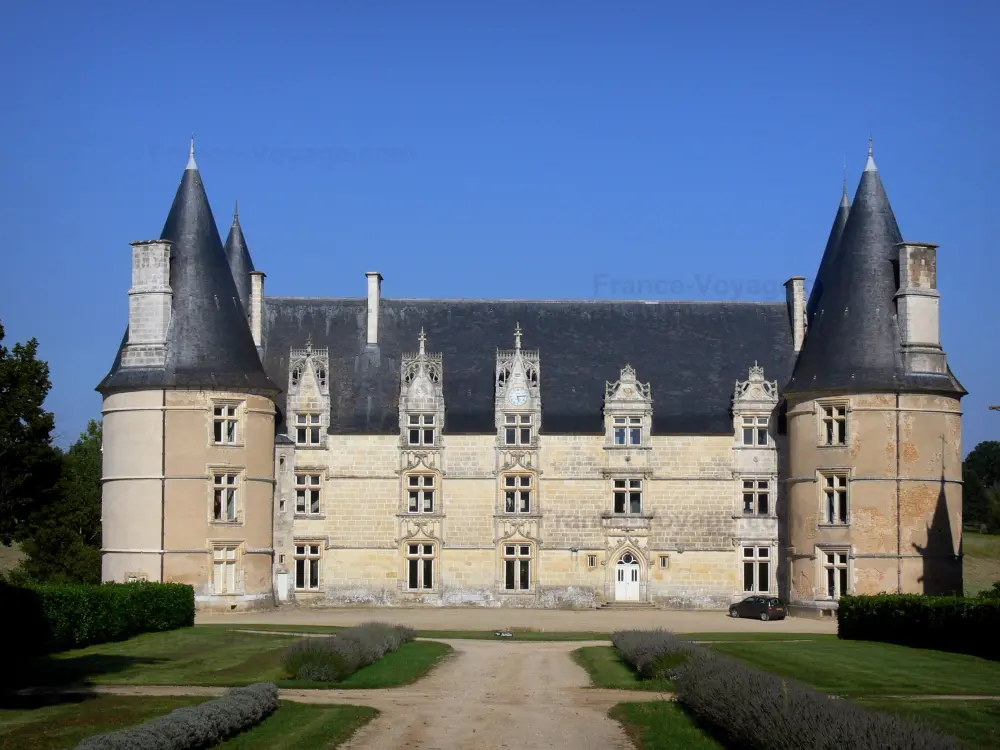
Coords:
pixel 29 463
pixel 981 492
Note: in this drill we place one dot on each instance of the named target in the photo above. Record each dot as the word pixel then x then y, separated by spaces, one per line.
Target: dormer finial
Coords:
pixel 192 164
pixel 422 338
pixel 309 344
pixel 517 336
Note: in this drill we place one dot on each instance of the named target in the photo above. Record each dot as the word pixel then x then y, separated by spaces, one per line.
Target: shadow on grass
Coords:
pixel 48 671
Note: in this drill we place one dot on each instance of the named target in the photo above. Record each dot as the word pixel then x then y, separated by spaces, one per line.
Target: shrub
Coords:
pixel 55 617
pixel 195 727
pixel 944 623
pixel 655 654
pixel 337 657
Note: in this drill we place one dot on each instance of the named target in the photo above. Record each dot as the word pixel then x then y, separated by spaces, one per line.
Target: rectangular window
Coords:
pixel 517 567
pixel 307 559
pixel 756 570
pixel 419 566
pixel 307 429
pixel 628 496
pixel 591 561
pixel 517 493
pixel 664 561
pixel 835 567
pixel 308 488
pixel 835 498
pixel 225 495
pixel 755 431
pixel 224 570
pixel 834 425
pixel 421 493
pixel 420 429
pixel 226 424
pixel 628 430
pixel 756 497
pixel 517 429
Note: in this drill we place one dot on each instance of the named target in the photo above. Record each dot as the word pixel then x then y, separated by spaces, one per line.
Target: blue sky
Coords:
pixel 525 150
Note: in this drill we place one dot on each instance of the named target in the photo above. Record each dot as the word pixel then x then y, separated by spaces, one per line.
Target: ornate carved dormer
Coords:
pixel 308 395
pixel 518 404
pixel 754 397
pixel 628 412
pixel 755 455
pixel 421 399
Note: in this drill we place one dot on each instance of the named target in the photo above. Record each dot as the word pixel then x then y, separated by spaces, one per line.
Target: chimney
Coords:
pixel 257 307
pixel 795 296
pixel 918 308
pixel 149 302
pixel 374 295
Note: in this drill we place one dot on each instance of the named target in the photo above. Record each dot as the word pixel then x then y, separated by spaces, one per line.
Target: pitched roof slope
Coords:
pixel 209 343
pixel 829 255
pixel 853 343
pixel 691 353
pixel 240 262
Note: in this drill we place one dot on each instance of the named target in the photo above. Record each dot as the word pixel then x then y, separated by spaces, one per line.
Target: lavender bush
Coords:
pixel 337 657
pixel 655 654
pixel 195 727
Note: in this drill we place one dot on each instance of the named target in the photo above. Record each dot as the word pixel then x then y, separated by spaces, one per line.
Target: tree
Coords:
pixel 29 463
pixel 63 537
pixel 980 473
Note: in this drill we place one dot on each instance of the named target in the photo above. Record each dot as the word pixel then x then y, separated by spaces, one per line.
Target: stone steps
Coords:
pixel 628 605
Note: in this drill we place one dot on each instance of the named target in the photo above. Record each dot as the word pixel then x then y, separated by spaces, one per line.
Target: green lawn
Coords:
pixel 756 637
pixel 662 725
pixel 479 635
pixel 608 670
pixel 975 723
pixel 32 726
pixel 300 726
pixel 981 564
pixel 216 657
pixel 859 668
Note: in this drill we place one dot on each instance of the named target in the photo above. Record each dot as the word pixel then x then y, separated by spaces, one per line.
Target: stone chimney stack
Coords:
pixel 257 307
pixel 149 302
pixel 374 296
pixel 795 296
pixel 918 307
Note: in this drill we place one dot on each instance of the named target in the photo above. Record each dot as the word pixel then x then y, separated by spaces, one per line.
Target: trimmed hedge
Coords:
pixel 195 727
pixel 655 654
pixel 56 617
pixel 339 656
pixel 749 708
pixel 943 623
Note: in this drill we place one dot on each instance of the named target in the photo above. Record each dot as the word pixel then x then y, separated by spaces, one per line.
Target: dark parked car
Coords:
pixel 761 607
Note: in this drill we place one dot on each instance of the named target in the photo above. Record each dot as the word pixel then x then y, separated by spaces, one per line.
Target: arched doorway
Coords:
pixel 627 578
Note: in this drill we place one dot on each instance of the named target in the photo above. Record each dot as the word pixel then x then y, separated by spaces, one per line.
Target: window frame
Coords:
pixel 591 561
pixel 835 511
pixel 627 487
pixel 415 565
pixel 755 492
pixel 517 559
pixel 421 490
pixel 630 428
pixel 426 422
pixel 232 563
pixel 515 426
pixel 842 571
pixel 517 492
pixel 220 421
pixel 755 431
pixel 310 428
pixel 760 559
pixel 306 488
pixel 827 424
pixel 312 565
pixel 234 489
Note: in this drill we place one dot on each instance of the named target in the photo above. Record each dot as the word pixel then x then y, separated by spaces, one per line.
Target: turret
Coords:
pixel 240 262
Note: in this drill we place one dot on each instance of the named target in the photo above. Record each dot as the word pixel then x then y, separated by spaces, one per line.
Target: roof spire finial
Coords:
pixel 192 164
pixel 870 164
pixel 517 336
pixel 845 201
pixel 422 338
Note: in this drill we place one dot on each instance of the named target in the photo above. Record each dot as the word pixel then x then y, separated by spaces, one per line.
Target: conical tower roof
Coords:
pixel 209 344
pixel 240 262
pixel 829 253
pixel 853 342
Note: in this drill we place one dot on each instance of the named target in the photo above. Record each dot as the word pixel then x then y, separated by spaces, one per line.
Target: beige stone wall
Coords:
pixel 176 484
pixel 914 549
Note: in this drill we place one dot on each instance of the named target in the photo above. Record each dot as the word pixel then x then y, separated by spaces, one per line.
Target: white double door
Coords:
pixel 627 582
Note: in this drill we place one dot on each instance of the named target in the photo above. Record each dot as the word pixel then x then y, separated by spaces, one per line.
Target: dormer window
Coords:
pixel 307 429
pixel 755 431
pixel 628 430
pixel 321 376
pixel 296 374
pixel 517 429
pixel 420 429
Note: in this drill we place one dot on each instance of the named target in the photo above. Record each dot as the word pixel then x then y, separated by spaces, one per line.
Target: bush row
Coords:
pixel 55 617
pixel 655 654
pixel 750 708
pixel 334 658
pixel 195 727
pixel 945 623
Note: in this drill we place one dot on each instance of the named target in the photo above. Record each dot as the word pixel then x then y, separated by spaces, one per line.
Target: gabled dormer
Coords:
pixel 308 400
pixel 754 402
pixel 421 398
pixel 628 412
pixel 518 404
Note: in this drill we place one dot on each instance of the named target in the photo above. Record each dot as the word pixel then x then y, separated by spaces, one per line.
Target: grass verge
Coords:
pixel 662 725
pixel 55 723
pixel 608 670
pixel 478 635
pixel 974 723
pixel 298 725
pixel 404 666
pixel 858 668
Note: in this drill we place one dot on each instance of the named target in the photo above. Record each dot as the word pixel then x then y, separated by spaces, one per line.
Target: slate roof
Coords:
pixel 240 262
pixel 692 353
pixel 209 343
pixel 853 343
pixel 829 255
